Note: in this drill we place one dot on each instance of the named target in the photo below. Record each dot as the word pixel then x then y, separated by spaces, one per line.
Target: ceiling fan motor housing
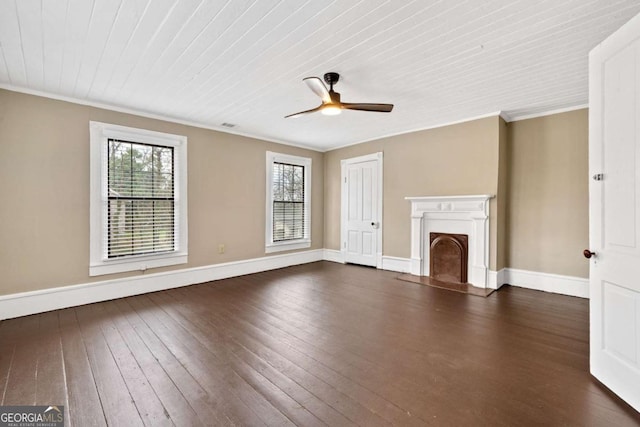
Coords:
pixel 331 78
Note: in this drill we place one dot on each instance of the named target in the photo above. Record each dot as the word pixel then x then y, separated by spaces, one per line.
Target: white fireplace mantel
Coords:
pixel 456 215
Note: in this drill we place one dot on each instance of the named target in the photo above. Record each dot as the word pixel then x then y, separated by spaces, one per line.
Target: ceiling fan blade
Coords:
pixel 302 113
pixel 316 85
pixel 381 108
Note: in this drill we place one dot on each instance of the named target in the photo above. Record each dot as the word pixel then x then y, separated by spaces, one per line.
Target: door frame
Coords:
pixel 378 156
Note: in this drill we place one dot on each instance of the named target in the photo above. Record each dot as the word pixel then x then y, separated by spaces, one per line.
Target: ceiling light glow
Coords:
pixel 331 110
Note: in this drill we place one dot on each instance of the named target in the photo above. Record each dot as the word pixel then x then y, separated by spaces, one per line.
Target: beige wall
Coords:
pixel 502 237
pixel 537 168
pixel 548 197
pixel 453 160
pixel 44 183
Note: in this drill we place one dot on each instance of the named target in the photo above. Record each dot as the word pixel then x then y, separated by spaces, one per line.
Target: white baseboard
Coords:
pixel 25 303
pixel 565 285
pixel 333 256
pixel 496 279
pixel 392 263
pixel 500 278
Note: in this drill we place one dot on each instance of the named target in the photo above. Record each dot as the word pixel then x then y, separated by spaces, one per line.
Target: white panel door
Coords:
pixel 614 207
pixel 361 217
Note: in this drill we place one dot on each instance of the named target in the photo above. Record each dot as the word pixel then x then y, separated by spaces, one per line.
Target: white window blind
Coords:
pixel 288 202
pixel 140 199
pixel 288 207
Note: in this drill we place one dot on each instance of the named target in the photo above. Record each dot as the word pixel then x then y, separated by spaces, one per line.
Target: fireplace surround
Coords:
pixel 467 215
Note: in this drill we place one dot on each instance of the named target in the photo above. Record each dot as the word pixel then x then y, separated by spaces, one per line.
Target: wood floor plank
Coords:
pixel 21 382
pixel 384 379
pixel 7 352
pixel 177 407
pixel 117 402
pixel 290 319
pixel 315 344
pixel 6 360
pixel 233 374
pixel 85 407
pixel 289 383
pixel 51 388
pixel 454 384
pixel 412 348
pixel 260 341
pixel 147 403
pixel 213 375
pixel 260 377
pixel 209 410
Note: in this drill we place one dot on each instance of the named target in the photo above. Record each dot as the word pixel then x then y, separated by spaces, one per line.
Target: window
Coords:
pixel 138 199
pixel 288 202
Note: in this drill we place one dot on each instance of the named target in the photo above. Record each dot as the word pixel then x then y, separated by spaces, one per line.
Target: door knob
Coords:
pixel 374 225
pixel 588 254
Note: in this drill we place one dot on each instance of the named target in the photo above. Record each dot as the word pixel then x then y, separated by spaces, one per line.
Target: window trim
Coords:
pixel 287 245
pixel 99 264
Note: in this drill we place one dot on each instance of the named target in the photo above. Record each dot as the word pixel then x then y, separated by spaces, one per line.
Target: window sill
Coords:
pixel 287 246
pixel 137 264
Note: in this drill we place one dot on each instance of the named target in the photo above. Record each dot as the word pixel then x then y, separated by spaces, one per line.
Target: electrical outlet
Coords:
pixel 221 248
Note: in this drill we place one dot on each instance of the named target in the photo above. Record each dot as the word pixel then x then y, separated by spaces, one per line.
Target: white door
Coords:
pixel 614 208
pixel 361 209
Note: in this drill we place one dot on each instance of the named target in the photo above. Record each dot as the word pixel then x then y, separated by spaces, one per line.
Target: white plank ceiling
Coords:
pixel 242 61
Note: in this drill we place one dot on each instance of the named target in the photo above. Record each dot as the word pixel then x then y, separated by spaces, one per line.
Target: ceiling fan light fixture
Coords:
pixel 331 110
pixel 331 104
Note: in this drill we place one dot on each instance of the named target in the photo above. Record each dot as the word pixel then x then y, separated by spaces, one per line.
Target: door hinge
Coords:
pixel 598 177
pixel 345 179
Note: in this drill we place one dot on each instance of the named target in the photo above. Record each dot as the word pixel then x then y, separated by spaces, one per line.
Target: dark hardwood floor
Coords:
pixel 318 344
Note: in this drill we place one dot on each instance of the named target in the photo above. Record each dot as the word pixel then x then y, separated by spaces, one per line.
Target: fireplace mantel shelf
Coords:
pixel 435 204
pixel 450 198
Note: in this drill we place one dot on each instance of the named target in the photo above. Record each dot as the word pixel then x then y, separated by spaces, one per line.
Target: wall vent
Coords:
pixel 228 125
